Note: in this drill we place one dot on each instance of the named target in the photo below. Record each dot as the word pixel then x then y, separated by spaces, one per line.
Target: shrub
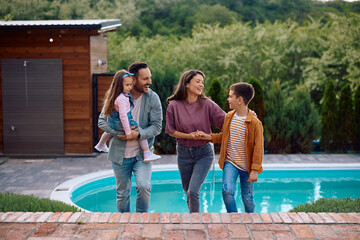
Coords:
pixel 163 86
pixel 10 202
pixel 330 205
pixel 216 93
pixel 304 121
pixel 345 116
pixel 276 130
pixel 257 104
pixel 328 118
pixel 356 122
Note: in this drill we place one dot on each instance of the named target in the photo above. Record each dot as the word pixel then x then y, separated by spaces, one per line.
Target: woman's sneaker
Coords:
pixel 151 157
pixel 102 148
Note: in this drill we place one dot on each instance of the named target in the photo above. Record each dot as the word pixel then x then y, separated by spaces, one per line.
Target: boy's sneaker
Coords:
pixel 152 157
pixel 102 148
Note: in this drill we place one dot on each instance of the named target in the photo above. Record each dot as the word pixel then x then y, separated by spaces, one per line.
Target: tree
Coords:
pixel 257 104
pixel 207 14
pixel 345 116
pixel 356 122
pixel 304 121
pixel 337 55
pixel 165 81
pixel 329 118
pixel 23 10
pixel 277 121
pixel 216 92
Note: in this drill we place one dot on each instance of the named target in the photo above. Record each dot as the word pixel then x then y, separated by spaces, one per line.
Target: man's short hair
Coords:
pixel 136 66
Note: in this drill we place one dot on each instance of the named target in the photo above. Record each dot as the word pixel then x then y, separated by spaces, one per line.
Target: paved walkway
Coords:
pixel 40 176
pixel 101 226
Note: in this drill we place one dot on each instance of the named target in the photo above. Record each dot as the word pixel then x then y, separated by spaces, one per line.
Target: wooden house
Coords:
pixel 46 84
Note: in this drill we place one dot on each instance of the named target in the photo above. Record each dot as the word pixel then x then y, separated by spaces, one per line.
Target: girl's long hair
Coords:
pixel 180 92
pixel 115 89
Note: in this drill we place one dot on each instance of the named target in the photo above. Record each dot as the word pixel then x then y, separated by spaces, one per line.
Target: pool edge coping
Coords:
pixel 63 191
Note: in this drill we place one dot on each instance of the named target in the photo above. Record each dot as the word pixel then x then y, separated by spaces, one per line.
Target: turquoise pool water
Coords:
pixel 276 191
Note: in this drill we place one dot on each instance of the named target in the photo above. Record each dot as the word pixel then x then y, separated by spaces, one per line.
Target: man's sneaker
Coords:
pixel 152 157
pixel 102 148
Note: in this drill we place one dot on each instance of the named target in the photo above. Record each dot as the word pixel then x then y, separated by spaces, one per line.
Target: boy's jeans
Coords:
pixel 230 175
pixel 123 174
pixel 194 164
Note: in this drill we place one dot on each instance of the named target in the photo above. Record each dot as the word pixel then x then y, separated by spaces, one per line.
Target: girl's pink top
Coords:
pixel 122 105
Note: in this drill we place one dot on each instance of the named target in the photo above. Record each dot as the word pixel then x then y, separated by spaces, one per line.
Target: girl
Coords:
pixel 190 111
pixel 118 106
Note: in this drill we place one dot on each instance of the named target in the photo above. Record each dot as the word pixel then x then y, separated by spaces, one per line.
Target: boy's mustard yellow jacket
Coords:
pixel 254 141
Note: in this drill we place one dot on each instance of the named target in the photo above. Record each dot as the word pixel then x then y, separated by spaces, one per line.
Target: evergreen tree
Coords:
pixel 345 116
pixel 165 81
pixel 356 120
pixel 328 117
pixel 276 128
pixel 216 92
pixel 304 121
pixel 257 104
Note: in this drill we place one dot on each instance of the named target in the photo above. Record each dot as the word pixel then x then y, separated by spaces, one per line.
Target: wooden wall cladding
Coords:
pixel 73 47
pixel 103 82
pixel 1 117
pixel 98 51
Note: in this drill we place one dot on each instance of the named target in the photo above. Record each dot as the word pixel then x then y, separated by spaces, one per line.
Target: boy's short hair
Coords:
pixel 244 90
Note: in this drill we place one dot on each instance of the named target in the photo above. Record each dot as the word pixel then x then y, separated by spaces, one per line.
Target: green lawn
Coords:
pixel 10 202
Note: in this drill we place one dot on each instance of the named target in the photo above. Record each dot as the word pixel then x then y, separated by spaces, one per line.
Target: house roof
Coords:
pixel 101 24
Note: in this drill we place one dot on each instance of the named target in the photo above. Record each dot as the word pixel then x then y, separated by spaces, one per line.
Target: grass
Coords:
pixel 330 205
pixel 11 202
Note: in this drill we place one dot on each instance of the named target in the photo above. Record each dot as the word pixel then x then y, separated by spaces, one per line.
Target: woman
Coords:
pixel 190 111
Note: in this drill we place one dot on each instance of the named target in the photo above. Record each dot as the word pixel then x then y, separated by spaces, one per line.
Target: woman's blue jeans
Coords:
pixel 230 175
pixel 194 164
pixel 123 174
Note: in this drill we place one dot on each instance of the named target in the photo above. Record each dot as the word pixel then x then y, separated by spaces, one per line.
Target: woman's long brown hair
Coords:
pixel 180 92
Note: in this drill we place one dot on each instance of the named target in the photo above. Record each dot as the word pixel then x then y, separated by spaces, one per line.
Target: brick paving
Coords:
pixel 99 226
pixel 26 176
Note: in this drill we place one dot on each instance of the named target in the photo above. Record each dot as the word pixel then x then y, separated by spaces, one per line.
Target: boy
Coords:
pixel 242 147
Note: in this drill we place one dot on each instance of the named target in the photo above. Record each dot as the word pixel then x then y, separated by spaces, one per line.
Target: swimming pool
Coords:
pixel 276 190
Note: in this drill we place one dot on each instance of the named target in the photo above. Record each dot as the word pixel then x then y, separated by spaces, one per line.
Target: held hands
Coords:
pixel 200 135
pixel 253 177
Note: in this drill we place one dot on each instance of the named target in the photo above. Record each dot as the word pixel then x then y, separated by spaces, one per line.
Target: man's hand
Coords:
pixel 132 136
pixel 253 176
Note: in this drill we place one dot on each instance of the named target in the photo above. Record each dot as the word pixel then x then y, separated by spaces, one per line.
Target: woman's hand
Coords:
pixel 252 112
pixel 202 136
pixel 198 135
pixel 192 135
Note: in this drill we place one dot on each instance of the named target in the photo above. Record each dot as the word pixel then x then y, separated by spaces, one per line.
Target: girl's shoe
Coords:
pixel 102 148
pixel 151 157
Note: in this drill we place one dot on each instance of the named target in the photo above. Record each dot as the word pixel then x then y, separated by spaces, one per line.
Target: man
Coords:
pixel 125 152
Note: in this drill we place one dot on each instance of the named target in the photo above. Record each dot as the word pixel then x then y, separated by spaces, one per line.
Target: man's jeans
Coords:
pixel 194 164
pixel 230 175
pixel 123 174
